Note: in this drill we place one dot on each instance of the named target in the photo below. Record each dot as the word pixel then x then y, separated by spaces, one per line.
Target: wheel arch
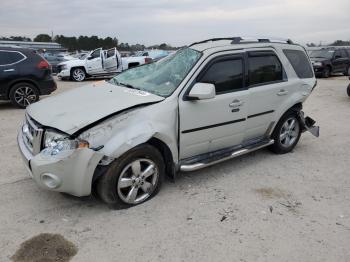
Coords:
pixel 166 153
pixel 18 81
pixel 296 108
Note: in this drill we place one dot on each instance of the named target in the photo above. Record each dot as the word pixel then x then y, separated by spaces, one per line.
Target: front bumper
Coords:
pixel 318 70
pixel 70 171
pixel 63 74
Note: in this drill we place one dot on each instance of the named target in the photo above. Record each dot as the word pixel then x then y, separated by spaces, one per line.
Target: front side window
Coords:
pixel 162 77
pixel 264 68
pixel 96 53
pixel 226 75
pixel 299 62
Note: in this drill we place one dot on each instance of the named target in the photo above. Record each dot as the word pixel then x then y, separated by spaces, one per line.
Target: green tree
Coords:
pixel 42 38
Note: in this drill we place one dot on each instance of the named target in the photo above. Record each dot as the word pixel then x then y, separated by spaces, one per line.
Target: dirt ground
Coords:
pixel 259 207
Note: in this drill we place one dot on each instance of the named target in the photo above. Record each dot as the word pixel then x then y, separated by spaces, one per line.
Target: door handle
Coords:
pixel 9 70
pixel 282 92
pixel 236 103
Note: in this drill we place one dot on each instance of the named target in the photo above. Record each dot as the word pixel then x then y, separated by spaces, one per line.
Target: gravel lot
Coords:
pixel 260 207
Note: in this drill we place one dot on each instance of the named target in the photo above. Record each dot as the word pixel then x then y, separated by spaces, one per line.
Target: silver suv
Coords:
pixel 212 101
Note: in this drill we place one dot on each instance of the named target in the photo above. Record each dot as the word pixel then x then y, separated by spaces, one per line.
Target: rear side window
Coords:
pixel 264 68
pixel 110 53
pixel 7 57
pixel 300 63
pixel 226 75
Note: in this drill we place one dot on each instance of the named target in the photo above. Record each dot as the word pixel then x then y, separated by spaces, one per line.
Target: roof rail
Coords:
pixel 241 40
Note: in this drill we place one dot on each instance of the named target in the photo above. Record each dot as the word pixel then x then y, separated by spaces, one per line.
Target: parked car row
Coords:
pixel 329 60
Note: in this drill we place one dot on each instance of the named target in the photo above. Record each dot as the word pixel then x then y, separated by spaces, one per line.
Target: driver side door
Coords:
pixel 217 123
pixel 94 62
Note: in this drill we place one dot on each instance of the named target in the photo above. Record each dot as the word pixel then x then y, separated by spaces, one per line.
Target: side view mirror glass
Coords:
pixel 202 91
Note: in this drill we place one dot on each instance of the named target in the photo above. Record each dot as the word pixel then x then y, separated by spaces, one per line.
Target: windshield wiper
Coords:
pixel 127 85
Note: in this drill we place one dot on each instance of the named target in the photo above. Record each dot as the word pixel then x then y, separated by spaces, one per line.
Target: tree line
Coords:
pixel 87 42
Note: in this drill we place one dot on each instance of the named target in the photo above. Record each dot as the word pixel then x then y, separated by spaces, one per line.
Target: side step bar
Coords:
pixel 242 151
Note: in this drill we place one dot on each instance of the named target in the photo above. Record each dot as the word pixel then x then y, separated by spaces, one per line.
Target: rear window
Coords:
pixel 300 63
pixel 10 57
pixel 264 68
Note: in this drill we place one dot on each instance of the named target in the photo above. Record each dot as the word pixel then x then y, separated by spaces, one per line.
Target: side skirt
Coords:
pixel 209 159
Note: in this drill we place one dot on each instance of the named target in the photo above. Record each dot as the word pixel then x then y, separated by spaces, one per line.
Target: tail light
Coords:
pixel 148 60
pixel 43 64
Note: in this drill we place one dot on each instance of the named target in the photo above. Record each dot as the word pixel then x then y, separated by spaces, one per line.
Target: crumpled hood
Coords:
pixel 75 109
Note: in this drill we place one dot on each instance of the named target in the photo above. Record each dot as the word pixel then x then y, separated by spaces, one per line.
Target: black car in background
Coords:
pixel 330 60
pixel 24 76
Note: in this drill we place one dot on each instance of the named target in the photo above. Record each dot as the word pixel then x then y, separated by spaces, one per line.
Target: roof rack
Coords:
pixel 240 40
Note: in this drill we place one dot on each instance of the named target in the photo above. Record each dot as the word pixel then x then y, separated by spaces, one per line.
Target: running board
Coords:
pixel 238 152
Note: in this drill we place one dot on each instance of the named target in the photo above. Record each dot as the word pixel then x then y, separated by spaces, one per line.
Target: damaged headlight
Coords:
pixel 55 142
pixel 318 64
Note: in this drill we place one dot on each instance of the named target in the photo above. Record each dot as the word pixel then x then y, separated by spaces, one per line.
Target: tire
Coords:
pixel 347 71
pixel 23 94
pixel 326 72
pixel 126 183
pixel 286 134
pixel 348 90
pixel 78 74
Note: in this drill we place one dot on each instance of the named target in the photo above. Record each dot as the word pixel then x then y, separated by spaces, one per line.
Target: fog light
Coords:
pixel 50 180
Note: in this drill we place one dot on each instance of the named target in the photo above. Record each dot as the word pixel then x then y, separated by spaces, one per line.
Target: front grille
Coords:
pixel 32 135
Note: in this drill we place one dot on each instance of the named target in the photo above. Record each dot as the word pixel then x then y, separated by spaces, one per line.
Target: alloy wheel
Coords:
pixel 289 132
pixel 78 75
pixel 25 96
pixel 137 181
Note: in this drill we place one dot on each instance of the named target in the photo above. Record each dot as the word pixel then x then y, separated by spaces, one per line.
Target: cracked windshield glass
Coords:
pixel 162 77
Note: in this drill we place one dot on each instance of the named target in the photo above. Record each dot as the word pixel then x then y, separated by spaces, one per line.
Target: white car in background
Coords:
pixel 98 63
pixel 143 57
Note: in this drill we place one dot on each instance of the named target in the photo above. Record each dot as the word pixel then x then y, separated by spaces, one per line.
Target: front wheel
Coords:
pixel 286 134
pixel 347 71
pixel 78 74
pixel 326 72
pixel 133 178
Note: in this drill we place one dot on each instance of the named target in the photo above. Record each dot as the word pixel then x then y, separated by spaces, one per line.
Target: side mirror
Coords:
pixel 202 91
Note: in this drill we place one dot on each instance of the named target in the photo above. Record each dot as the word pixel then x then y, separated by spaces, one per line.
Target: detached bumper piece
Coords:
pixel 308 124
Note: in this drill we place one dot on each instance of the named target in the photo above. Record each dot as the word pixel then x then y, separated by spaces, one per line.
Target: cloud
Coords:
pixel 178 22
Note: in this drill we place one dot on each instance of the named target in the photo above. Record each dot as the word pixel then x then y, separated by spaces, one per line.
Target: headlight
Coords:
pixel 55 143
pixel 318 64
pixel 64 67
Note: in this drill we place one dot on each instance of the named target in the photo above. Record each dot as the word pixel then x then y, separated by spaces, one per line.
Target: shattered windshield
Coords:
pixel 162 77
pixel 322 54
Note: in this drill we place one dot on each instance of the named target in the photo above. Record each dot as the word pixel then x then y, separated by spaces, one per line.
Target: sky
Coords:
pixel 179 22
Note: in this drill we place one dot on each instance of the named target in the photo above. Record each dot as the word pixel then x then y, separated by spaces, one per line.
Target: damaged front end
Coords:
pixel 308 124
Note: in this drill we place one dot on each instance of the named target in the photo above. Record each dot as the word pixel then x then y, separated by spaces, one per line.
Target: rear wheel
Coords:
pixel 133 178
pixel 78 74
pixel 286 134
pixel 23 94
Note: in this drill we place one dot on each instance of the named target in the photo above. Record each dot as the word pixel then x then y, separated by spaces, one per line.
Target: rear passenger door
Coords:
pixel 268 87
pixel 110 63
